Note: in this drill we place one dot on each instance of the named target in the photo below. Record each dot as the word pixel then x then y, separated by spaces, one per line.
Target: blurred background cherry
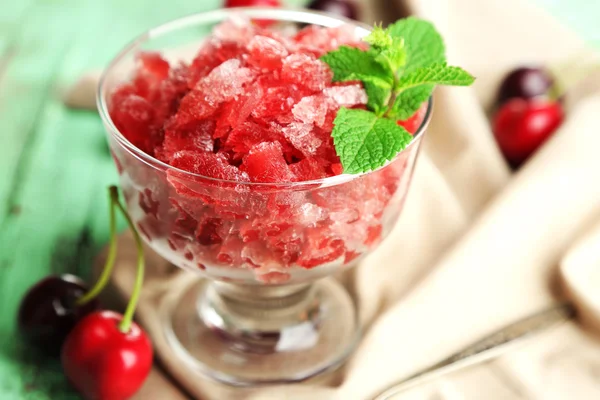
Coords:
pixel 345 8
pixel 526 83
pixel 528 112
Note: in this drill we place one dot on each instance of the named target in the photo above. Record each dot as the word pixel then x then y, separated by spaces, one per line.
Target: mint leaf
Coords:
pixel 349 63
pixel 410 100
pixel 439 74
pixel 393 57
pixel 379 93
pixel 424 45
pixel 417 86
pixel 386 50
pixel 379 38
pixel 364 141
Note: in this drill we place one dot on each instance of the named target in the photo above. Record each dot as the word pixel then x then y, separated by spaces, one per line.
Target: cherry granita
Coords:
pixel 245 129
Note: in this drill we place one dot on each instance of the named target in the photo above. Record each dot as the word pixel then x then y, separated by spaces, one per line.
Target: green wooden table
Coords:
pixel 54 161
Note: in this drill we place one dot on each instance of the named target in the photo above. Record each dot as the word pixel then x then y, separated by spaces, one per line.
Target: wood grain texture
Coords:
pixel 54 161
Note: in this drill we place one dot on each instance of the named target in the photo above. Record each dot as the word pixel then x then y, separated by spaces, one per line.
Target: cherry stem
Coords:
pixel 126 322
pixel 110 259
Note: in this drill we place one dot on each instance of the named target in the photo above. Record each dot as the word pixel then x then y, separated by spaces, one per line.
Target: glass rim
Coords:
pixel 282 14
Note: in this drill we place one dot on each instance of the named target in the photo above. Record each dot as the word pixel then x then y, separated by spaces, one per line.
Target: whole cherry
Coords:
pixel 521 126
pixel 107 356
pixel 50 310
pixel 102 361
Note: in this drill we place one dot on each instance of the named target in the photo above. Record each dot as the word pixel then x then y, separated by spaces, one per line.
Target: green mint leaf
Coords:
pixel 424 45
pixel 379 93
pixel 410 100
pixel 364 141
pixel 417 86
pixel 379 38
pixel 348 63
pixel 391 58
pixel 439 74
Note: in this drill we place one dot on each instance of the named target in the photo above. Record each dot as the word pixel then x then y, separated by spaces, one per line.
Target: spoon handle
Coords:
pixel 487 348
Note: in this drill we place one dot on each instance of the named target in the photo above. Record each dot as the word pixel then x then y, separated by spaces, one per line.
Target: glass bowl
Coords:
pixel 263 315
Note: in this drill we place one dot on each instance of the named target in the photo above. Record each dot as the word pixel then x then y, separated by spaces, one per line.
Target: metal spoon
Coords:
pixel 485 349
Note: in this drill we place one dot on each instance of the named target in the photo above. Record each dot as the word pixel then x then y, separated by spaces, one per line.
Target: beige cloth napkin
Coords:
pixel 419 307
pixel 559 364
pixel 581 278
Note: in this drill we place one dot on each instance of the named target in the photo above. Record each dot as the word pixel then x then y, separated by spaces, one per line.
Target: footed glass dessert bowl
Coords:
pixel 225 161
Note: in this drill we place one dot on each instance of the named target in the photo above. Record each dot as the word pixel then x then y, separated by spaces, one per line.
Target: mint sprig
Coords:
pixel 399 72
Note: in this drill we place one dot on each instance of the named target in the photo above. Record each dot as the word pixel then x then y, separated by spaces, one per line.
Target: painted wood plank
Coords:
pixel 55 163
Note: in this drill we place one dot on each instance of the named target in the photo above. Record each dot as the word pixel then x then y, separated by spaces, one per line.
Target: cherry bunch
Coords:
pixel 529 112
pixel 104 354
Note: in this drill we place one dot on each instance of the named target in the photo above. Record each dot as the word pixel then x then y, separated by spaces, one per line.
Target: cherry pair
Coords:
pixel 105 355
pixel 529 113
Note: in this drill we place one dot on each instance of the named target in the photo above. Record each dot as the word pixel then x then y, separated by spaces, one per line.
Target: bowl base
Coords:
pixel 285 340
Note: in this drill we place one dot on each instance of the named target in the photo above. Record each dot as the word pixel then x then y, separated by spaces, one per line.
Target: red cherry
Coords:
pixel 413 123
pixel 104 363
pixel 521 126
pixel 252 3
